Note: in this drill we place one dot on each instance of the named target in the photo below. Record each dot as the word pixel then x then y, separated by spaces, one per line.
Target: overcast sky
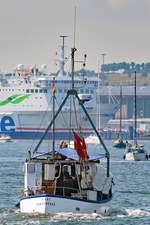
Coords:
pixel 30 30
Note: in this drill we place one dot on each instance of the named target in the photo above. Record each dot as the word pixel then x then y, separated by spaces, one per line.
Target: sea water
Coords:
pixel 130 204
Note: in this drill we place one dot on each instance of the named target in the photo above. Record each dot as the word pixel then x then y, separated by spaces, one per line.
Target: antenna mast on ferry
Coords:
pixel 73 49
pixel 62 63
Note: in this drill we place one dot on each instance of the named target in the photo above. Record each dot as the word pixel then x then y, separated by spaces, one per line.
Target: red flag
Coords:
pixel 77 145
pixel 80 146
pixel 84 149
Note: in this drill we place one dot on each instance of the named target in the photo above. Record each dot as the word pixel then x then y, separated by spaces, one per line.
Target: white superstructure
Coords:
pixel 26 102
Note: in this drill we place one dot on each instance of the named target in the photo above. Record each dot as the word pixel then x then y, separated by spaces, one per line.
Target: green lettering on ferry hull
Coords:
pixel 14 99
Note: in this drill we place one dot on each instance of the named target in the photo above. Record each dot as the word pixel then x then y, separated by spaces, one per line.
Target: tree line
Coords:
pixel 123 67
pixel 120 68
pixel 127 68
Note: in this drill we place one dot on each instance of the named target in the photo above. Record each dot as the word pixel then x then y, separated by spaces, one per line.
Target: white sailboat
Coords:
pixel 66 179
pixel 136 152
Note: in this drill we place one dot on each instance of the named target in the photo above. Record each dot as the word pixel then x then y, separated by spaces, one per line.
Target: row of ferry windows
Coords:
pixel 69 81
pixel 81 91
pixel 28 90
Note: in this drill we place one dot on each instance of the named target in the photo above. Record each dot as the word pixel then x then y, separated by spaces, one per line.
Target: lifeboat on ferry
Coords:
pixel 85 97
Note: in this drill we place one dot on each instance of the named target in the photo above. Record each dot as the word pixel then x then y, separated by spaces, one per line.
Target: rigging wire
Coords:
pixel 41 122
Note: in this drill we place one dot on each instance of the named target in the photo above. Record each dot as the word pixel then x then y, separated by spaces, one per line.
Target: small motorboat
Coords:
pixel 136 152
pixel 5 138
pixel 119 143
pixel 92 139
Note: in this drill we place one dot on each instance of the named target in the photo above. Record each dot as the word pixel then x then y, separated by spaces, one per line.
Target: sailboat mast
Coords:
pixel 98 99
pixel 135 124
pixel 53 134
pixel 120 111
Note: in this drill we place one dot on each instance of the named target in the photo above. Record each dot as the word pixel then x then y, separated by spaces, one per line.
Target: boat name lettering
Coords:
pixel 46 203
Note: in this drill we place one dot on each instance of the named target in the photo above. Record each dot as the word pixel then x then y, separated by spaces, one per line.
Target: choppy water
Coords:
pixel 130 205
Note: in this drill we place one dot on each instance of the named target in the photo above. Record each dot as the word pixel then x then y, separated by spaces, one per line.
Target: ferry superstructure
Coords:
pixel 26 104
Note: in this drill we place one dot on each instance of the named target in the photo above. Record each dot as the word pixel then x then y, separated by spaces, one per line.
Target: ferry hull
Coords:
pixel 32 124
pixel 36 135
pixel 54 204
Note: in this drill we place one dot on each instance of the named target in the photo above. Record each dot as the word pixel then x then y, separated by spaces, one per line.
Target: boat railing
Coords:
pixel 65 191
pixel 59 190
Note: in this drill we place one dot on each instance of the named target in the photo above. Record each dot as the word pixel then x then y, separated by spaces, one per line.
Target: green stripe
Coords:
pixel 9 99
pixel 18 100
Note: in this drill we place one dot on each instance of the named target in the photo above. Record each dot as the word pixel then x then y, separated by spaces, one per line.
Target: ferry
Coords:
pixel 26 103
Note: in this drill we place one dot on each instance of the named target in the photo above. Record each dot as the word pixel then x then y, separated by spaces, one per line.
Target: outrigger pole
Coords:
pixel 74 92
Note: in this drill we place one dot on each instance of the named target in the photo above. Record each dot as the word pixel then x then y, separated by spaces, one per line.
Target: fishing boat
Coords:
pixel 67 179
pixel 5 138
pixel 136 152
pixel 120 143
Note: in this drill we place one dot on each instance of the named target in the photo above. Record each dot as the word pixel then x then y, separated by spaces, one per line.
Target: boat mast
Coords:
pixel 53 134
pixel 135 124
pixel 120 132
pixel 98 100
pixel 72 62
pixel 73 49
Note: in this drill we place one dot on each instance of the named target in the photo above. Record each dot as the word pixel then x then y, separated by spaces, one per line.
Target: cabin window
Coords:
pixel 36 90
pixel 67 170
pixel 30 168
pixel 49 172
pixel 32 90
pixel 27 91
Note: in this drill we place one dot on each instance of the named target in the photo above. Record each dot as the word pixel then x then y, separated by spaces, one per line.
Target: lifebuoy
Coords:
pixel 61 144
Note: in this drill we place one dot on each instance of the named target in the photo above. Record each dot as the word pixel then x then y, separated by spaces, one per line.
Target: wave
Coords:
pixel 15 217
pixel 129 212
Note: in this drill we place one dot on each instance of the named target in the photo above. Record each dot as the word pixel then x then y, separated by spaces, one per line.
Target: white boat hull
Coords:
pixel 136 156
pixel 92 139
pixel 44 204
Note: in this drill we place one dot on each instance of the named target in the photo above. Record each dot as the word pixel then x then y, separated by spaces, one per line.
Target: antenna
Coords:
pixel 74 25
pixel 63 54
